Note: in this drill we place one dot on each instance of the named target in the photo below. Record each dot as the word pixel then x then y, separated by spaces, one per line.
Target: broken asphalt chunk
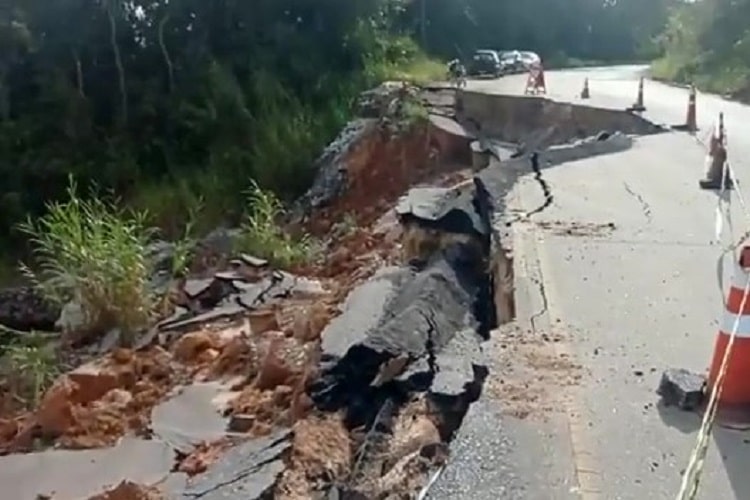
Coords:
pixel 76 474
pixel 417 322
pixel 225 310
pixel 452 210
pixel 681 388
pixel 459 364
pixel 253 261
pixel 362 311
pixel 189 417
pixel 248 471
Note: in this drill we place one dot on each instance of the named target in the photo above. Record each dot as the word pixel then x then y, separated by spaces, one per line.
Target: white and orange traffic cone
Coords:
pixel 716 178
pixel 585 94
pixel 691 120
pixel 734 396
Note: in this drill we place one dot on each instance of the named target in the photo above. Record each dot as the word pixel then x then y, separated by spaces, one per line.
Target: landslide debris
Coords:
pixel 223 386
pixel 344 378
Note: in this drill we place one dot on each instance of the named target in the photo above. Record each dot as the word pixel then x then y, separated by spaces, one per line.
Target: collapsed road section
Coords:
pixel 366 404
pixel 409 342
pixel 420 344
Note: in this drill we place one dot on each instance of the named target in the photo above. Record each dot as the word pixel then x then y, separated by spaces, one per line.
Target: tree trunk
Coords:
pixel 79 73
pixel 118 63
pixel 165 52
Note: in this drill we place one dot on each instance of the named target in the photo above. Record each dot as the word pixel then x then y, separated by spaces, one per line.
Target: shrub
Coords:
pixel 92 252
pixel 32 366
pixel 263 237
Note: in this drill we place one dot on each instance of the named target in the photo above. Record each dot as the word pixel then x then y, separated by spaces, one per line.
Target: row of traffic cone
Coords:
pixel 691 124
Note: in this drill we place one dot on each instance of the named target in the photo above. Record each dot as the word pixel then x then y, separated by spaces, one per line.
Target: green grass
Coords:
pixel 31 365
pixel 720 78
pixel 262 236
pixel 91 251
pixel 420 71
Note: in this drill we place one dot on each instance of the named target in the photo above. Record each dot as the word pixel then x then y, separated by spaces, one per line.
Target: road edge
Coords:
pixel 528 245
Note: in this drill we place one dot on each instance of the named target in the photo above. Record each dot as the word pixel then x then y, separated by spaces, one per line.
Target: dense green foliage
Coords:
pixel 166 102
pixel 708 43
pixel 602 30
pixel 177 105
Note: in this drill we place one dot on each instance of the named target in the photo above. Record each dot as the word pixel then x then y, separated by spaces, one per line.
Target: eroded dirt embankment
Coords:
pixel 345 379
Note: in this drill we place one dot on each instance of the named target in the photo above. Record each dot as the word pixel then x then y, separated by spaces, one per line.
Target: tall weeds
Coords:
pixel 93 252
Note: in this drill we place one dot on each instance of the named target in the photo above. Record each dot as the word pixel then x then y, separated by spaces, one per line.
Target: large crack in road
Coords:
pixel 577 133
pixel 543 184
pixel 645 207
pixel 405 360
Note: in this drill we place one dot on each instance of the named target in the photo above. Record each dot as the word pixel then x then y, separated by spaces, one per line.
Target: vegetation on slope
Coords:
pixel 708 43
pixel 179 107
pixel 193 113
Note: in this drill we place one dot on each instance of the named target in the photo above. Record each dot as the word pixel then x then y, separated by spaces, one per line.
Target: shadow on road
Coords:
pixel 684 421
pixel 732 444
pixel 734 448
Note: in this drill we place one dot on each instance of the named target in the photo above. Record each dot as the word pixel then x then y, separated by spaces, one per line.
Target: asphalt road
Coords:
pixel 628 302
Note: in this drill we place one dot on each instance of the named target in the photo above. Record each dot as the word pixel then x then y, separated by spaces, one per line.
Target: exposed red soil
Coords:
pixel 130 491
pixel 273 352
pixel 382 168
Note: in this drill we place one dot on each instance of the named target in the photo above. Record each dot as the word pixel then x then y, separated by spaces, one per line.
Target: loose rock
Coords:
pixel 681 388
pixel 248 471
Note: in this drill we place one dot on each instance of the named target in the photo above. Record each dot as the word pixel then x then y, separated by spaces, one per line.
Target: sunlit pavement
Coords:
pixel 642 298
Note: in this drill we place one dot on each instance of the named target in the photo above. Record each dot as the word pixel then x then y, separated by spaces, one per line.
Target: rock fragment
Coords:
pixel 411 315
pixel 681 388
pixel 248 471
pixel 73 475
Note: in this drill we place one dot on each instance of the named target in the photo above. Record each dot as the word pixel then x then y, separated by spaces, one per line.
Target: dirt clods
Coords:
pixel 127 490
pixel 531 376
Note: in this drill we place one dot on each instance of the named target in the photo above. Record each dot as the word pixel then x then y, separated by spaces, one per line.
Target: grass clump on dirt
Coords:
pixel 29 365
pixel 262 236
pixel 92 252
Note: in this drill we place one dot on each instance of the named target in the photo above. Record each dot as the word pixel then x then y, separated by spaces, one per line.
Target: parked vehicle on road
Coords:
pixel 530 58
pixel 485 62
pixel 511 61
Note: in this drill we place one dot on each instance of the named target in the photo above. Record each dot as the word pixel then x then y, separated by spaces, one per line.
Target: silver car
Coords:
pixel 530 58
pixel 512 61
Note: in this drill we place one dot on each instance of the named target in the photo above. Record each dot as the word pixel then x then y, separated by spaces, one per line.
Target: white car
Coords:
pixel 530 58
pixel 511 59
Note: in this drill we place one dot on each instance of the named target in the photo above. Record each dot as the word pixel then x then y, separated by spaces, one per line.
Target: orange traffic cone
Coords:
pixel 691 121
pixel 585 94
pixel 717 152
pixel 638 105
pixel 735 386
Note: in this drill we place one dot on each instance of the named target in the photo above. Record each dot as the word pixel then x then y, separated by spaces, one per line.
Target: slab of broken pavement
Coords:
pixel 418 360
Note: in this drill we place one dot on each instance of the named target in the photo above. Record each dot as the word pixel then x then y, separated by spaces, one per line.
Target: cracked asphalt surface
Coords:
pixel 624 304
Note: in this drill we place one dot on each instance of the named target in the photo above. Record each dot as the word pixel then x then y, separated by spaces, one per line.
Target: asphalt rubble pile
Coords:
pixel 224 397
pixel 344 379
